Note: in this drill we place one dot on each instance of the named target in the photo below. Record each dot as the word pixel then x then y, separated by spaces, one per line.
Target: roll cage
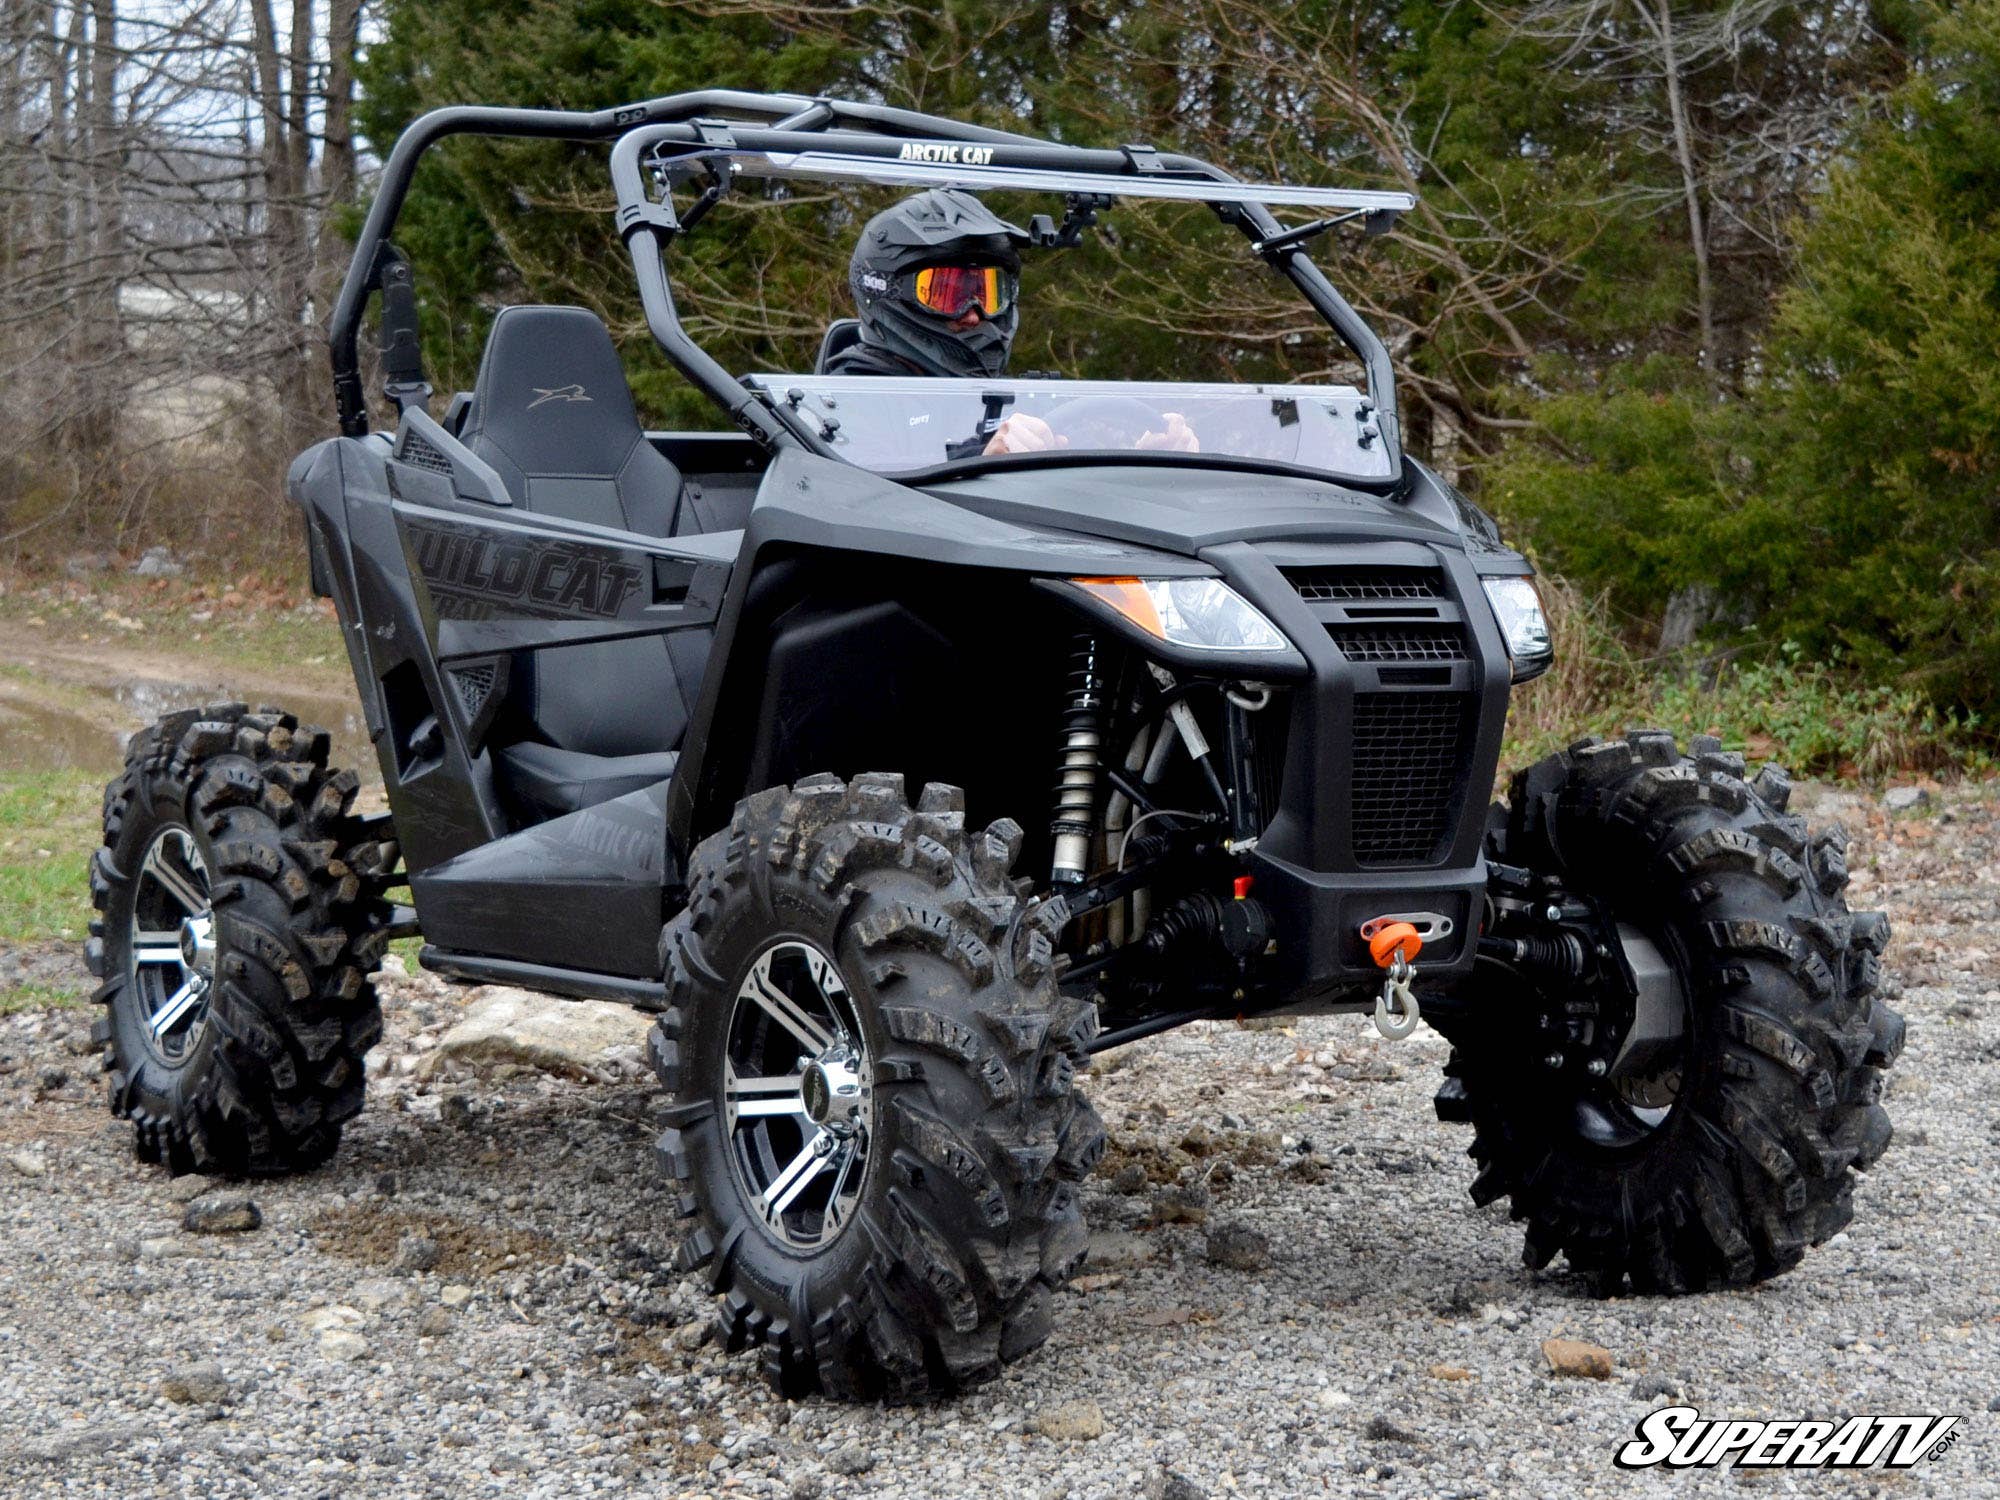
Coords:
pixel 716 135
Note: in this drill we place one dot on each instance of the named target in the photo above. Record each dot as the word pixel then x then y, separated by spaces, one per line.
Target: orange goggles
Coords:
pixel 953 291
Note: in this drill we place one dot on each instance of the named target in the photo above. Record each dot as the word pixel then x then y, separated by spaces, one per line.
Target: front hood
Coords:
pixel 1183 508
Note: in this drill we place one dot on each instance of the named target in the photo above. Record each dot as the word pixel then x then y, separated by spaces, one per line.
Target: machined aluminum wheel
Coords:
pixel 173 942
pixel 797 1094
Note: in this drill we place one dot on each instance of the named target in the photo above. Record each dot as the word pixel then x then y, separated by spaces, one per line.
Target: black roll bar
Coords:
pixel 685 128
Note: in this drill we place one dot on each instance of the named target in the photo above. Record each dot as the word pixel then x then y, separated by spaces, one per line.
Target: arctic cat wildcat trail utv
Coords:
pixel 898 779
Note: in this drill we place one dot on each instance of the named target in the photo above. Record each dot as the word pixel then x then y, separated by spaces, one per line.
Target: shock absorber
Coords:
pixel 1075 823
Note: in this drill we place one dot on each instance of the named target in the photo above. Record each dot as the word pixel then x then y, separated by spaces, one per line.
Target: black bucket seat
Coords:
pixel 552 413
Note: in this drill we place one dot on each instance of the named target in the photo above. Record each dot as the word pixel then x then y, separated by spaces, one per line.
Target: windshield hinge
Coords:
pixel 656 216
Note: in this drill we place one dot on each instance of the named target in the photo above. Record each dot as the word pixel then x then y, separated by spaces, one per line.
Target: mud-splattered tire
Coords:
pixel 967 1217
pixel 270 1061
pixel 1781 1074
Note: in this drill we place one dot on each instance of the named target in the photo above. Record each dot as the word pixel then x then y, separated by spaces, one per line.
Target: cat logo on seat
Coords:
pixel 570 392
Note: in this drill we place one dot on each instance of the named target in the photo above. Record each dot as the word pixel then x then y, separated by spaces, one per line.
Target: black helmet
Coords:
pixel 940 227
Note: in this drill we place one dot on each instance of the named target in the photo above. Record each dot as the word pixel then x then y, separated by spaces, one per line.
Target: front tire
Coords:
pixel 840 945
pixel 239 920
pixel 1744 1158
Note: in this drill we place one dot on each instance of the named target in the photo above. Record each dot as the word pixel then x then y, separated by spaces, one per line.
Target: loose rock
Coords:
pixel 199 1384
pixel 1237 1246
pixel 222 1213
pixel 1574 1359
pixel 567 1037
pixel 342 1345
pixel 156 562
pixel 1119 1251
pixel 1181 1205
pixel 29 1163
pixel 1165 1484
pixel 1070 1421
pixel 850 1459
pixel 416 1253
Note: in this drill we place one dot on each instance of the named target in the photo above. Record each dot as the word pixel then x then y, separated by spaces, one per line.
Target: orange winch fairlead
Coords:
pixel 1391 941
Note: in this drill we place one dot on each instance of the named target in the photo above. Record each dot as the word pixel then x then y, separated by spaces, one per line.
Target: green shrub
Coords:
pixel 1843 500
pixel 1815 718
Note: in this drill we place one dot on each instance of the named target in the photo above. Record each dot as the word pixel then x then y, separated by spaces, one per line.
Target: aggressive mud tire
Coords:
pixel 1777 1100
pixel 270 1062
pixel 966 1218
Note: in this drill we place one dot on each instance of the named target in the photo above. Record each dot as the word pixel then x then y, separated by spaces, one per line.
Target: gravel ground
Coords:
pixel 474 1299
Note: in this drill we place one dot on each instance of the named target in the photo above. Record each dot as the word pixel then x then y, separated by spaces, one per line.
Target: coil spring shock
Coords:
pixel 1075 823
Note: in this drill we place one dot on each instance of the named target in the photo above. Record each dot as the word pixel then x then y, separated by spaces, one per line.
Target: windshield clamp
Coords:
pixel 715 134
pixel 1079 213
pixel 1144 159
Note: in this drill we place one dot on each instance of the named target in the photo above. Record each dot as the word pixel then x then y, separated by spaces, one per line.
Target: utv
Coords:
pixel 898 779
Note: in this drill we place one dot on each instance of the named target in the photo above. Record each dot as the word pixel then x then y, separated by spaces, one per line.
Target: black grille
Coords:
pixel 1269 732
pixel 419 452
pixel 1408 748
pixel 1400 643
pixel 1340 585
pixel 473 682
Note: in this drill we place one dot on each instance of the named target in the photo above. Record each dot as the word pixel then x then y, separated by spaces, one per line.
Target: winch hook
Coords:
pixel 1392 945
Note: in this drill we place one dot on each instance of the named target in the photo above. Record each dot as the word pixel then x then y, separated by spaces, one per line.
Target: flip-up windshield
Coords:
pixel 893 425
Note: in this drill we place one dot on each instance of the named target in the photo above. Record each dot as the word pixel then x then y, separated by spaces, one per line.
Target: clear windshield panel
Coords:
pixel 892 425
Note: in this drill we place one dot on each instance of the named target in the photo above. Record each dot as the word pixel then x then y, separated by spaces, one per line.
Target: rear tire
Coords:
pixel 933 1255
pixel 227 828
pixel 1776 1100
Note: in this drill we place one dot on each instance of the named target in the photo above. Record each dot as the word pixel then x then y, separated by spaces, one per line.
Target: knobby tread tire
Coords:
pixel 970 1219
pixel 296 887
pixel 1778 1103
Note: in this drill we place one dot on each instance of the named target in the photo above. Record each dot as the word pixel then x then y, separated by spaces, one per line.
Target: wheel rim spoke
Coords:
pixel 156 948
pixel 802 1169
pixel 776 1095
pixel 178 884
pixel 784 1010
pixel 836 1209
pixel 177 1006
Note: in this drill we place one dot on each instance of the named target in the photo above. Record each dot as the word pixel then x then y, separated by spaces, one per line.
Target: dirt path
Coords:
pixel 478 1296
pixel 69 698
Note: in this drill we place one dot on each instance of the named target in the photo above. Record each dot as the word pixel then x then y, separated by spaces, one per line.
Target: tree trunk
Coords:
pixel 1661 21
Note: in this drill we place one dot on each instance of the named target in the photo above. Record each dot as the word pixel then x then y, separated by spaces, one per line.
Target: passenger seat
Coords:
pixel 552 413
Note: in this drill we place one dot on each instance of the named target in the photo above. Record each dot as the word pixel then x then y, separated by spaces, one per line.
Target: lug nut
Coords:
pixel 1553 1061
pixel 1596 1067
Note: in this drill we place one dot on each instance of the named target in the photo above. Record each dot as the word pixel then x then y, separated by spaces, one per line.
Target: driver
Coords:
pixel 935 280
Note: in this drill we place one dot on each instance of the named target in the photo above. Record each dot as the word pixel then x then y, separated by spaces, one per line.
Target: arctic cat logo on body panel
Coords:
pixel 570 392
pixel 948 155
pixel 555 580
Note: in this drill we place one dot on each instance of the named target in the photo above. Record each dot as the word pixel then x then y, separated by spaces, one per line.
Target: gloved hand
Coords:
pixel 1022 433
pixel 1178 438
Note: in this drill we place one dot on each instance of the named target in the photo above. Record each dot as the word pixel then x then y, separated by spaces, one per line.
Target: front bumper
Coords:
pixel 1318 915
pixel 1388 758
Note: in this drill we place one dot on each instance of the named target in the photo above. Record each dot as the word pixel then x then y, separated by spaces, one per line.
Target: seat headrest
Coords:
pixel 843 333
pixel 552 393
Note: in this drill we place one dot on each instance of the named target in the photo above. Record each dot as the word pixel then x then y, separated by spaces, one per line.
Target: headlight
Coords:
pixel 1200 614
pixel 1518 608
